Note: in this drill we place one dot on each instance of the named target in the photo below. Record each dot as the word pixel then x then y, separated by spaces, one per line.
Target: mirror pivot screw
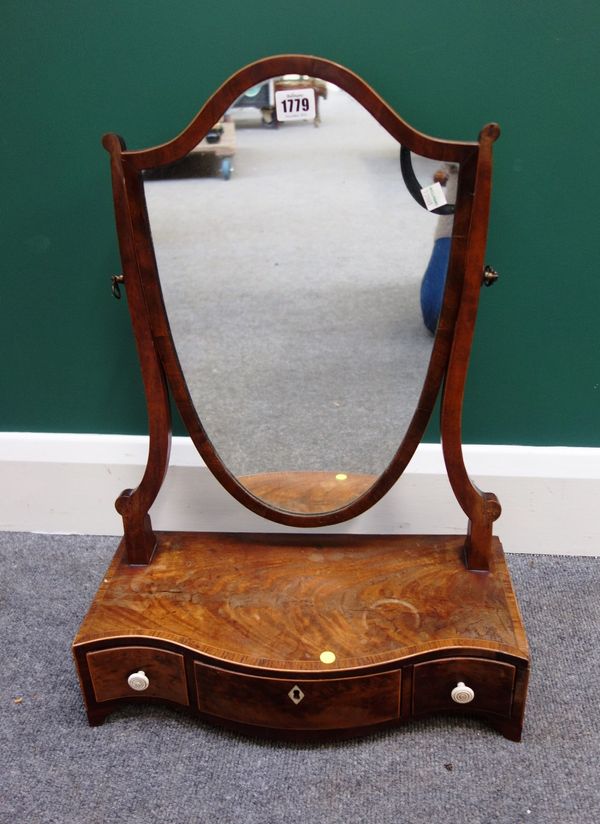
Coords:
pixel 490 276
pixel 115 281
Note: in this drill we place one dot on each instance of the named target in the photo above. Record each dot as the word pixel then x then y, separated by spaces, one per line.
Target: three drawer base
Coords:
pixel 304 706
pixel 290 649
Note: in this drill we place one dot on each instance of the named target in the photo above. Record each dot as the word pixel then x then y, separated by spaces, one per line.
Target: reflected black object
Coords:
pixel 214 135
pixel 414 187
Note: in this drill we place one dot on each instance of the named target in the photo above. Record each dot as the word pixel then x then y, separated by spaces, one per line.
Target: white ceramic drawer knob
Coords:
pixel 462 694
pixel 138 681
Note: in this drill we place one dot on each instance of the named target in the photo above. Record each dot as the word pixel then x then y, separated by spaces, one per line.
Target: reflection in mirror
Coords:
pixel 303 292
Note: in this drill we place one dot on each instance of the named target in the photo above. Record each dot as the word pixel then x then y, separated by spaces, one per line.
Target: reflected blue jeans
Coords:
pixel 434 280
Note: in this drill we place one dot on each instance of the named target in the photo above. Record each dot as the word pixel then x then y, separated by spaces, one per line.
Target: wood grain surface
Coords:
pixel 492 682
pixel 110 668
pixel 335 703
pixel 278 601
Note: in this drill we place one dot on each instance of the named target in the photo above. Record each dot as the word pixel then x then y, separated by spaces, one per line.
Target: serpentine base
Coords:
pixel 307 636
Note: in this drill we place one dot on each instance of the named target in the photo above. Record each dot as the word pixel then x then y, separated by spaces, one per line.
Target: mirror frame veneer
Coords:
pixel 162 370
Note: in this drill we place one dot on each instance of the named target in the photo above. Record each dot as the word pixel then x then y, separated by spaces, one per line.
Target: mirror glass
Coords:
pixel 302 284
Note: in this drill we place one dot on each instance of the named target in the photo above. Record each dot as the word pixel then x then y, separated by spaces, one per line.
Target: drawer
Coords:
pixel 491 681
pixel 165 672
pixel 333 703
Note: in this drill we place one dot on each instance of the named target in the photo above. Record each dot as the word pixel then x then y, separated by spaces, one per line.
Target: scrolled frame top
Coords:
pixel 268 67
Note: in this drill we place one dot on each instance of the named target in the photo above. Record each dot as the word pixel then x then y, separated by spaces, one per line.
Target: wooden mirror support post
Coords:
pixel 306 636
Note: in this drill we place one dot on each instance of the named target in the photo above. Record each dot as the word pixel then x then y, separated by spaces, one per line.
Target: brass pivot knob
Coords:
pixel 462 694
pixel 138 681
pixel 490 276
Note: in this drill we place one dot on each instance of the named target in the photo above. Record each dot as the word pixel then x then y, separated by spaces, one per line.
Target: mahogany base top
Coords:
pixel 279 601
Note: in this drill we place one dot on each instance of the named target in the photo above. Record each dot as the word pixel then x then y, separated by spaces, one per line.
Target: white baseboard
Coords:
pixel 64 483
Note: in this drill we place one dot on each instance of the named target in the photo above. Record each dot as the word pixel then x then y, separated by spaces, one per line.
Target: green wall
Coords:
pixel 74 69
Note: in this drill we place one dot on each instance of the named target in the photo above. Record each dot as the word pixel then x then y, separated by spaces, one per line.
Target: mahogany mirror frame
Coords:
pixel 161 369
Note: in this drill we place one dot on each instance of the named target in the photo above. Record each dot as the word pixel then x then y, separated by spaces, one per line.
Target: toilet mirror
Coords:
pixel 302 288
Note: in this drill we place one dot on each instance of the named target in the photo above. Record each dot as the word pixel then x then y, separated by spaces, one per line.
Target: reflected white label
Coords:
pixel 295 104
pixel 434 196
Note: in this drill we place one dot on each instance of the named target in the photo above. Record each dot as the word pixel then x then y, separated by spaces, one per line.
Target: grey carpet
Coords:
pixel 293 293
pixel 149 765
